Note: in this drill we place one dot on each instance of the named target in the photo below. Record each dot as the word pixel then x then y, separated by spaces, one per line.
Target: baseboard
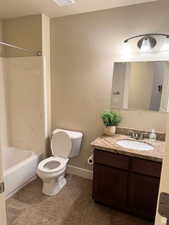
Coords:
pixel 88 174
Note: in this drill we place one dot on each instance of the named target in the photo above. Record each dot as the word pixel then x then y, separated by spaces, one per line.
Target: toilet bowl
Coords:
pixel 64 145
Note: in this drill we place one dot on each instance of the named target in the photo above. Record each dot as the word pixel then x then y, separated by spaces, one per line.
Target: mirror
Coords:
pixel 141 86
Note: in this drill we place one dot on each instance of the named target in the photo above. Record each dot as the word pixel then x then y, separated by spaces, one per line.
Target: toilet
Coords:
pixel 65 144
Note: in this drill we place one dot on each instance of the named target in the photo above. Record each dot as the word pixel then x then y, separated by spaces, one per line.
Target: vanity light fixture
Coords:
pixel 165 46
pixel 148 41
pixel 64 2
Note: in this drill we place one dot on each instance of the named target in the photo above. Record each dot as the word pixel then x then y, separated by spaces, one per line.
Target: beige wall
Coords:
pixel 24 32
pixel 83 48
pixel 24 86
pixel 144 120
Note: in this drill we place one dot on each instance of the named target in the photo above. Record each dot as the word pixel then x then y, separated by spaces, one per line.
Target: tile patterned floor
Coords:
pixel 72 206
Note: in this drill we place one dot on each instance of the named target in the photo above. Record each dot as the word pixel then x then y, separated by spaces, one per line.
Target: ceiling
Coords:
pixel 17 8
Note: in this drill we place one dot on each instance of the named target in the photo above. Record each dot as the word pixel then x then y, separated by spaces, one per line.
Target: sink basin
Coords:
pixel 135 145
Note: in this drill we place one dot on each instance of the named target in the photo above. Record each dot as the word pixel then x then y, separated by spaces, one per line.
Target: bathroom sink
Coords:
pixel 135 145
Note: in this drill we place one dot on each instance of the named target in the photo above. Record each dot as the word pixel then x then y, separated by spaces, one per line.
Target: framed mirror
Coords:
pixel 141 86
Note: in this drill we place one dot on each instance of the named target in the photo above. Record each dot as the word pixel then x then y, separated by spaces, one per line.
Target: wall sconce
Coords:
pixel 148 41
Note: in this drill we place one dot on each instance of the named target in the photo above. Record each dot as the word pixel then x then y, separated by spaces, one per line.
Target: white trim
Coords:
pixel 88 174
pixel 46 79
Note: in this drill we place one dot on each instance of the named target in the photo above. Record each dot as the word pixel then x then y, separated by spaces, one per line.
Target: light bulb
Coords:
pixel 126 48
pixel 145 47
pixel 165 45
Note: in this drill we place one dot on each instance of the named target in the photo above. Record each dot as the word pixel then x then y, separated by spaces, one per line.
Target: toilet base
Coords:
pixel 53 186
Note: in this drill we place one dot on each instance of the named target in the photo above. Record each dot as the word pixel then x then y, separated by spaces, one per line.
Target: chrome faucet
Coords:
pixel 137 135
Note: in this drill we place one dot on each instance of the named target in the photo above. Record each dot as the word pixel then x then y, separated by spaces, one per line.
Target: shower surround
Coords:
pixel 21 119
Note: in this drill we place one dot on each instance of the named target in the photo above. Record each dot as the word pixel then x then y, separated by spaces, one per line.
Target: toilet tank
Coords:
pixel 76 138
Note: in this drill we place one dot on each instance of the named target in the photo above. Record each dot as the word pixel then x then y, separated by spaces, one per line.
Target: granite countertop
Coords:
pixel 109 144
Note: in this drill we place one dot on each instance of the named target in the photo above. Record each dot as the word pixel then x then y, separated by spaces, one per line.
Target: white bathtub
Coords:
pixel 19 169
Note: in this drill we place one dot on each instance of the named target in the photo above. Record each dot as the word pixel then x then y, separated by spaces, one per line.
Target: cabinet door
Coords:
pixel 143 194
pixel 110 186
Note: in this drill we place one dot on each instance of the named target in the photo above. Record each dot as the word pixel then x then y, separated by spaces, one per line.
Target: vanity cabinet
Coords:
pixel 126 183
pixel 110 191
pixel 143 193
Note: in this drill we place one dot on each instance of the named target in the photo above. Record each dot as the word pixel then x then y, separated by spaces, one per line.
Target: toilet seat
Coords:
pixel 60 164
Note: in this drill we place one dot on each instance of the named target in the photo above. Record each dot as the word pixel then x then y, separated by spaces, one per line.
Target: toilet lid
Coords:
pixel 61 144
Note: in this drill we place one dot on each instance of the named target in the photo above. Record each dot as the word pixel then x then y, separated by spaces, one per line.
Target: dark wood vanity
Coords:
pixel 126 182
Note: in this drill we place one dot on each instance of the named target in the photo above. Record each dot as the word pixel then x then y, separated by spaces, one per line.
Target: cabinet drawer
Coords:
pixel 146 167
pixel 111 159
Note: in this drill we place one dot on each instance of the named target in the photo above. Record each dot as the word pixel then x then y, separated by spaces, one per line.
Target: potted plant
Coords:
pixel 110 120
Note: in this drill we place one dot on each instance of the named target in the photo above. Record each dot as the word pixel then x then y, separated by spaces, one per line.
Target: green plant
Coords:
pixel 111 118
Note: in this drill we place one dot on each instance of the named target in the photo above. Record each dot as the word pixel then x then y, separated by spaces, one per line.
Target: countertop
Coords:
pixel 109 144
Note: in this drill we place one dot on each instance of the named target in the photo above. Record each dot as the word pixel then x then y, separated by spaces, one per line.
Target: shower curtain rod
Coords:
pixel 38 53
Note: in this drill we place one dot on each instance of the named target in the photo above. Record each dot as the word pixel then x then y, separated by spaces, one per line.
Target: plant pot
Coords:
pixel 110 131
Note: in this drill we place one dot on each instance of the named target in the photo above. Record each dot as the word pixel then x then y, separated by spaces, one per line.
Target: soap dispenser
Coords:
pixel 152 135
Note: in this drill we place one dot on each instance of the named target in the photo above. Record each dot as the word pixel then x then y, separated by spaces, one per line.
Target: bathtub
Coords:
pixel 19 169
